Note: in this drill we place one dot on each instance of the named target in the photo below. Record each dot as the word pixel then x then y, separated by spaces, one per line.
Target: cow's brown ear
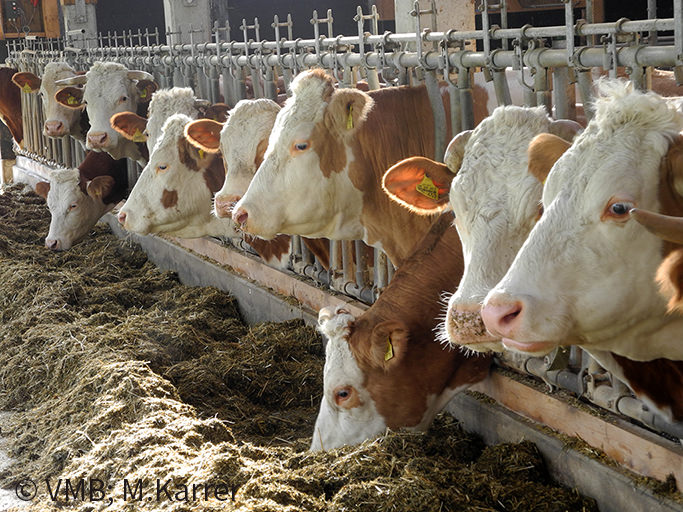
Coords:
pixel 27 82
pixel 543 151
pixel 218 112
pixel 70 97
pixel 347 110
pixel 388 343
pixel 42 188
pixel 204 134
pixel 130 125
pixel 145 90
pixel 100 187
pixel 674 159
pixel 260 152
pixel 420 184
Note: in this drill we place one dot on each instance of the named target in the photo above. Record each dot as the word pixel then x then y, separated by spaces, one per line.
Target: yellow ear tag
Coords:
pixel 427 188
pixel 71 100
pixel 201 154
pixel 389 353
pixel 349 119
pixel 143 94
pixel 138 136
pixel 27 89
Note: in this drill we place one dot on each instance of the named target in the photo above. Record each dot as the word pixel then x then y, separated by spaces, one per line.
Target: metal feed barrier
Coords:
pixel 551 59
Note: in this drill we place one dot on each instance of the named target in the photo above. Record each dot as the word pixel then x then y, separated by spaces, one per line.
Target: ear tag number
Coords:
pixel 427 188
pixel 389 353
pixel 138 136
pixel 349 119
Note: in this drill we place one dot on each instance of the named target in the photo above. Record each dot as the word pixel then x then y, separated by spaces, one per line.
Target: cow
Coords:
pixel 486 182
pixel 10 105
pixel 571 282
pixel 77 198
pixel 384 369
pixel 109 88
pixel 60 121
pixel 321 172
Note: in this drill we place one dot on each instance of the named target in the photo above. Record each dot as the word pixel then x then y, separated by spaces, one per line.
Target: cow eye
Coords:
pixel 73 206
pixel 301 146
pixel 342 397
pixel 617 210
pixel 123 99
pixel 162 169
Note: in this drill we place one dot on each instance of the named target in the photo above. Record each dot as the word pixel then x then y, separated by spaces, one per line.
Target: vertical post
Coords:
pixel 80 21
pixel 186 13
pixel 6 154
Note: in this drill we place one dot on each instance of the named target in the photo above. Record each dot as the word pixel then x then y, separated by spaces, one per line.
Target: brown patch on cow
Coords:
pixel 329 148
pixel 671 173
pixel 399 125
pixel 320 247
pixel 480 99
pixel 260 152
pixel 214 172
pixel 188 154
pixel 351 401
pixel 270 250
pixel 217 112
pixel 412 300
pixel 97 164
pixel 43 189
pixel 543 151
pixel 10 104
pixel 659 380
pixel 169 198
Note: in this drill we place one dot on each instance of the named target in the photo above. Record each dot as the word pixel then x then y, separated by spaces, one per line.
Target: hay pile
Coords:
pixel 118 372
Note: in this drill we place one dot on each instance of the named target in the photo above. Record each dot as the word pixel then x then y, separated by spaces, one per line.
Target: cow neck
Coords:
pixel 10 104
pixel 400 125
pixel 414 297
pixel 214 173
pixel 659 381
pixel 671 203
pixel 269 250
pixel 320 247
pixel 79 131
pixel 101 164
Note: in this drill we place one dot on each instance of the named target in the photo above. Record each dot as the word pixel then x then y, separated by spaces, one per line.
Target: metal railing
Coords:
pixel 548 59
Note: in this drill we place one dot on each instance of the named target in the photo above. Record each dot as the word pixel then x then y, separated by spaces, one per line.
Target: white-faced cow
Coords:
pixel 326 155
pixel 384 369
pixel 109 88
pixel 585 275
pixel 10 104
pixel 60 121
pixel 77 198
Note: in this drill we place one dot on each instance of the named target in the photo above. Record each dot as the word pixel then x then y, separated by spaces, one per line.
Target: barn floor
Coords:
pixel 117 373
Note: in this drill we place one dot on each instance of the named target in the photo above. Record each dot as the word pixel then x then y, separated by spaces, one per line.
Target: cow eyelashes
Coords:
pixel 617 210
pixel 300 146
pixel 73 206
pixel 161 169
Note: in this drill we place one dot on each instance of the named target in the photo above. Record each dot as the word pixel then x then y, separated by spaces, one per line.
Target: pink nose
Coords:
pixel 54 128
pixel 122 218
pixel 225 204
pixel 502 316
pixel 53 245
pixel 240 216
pixel 98 139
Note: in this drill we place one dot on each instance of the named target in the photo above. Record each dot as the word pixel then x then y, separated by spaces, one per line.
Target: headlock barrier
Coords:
pixel 553 64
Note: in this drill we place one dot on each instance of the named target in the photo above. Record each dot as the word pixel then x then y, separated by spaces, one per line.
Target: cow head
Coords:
pixel 60 121
pixel 75 206
pixel 242 141
pixel 174 192
pixel 109 88
pixel 306 158
pixel 585 275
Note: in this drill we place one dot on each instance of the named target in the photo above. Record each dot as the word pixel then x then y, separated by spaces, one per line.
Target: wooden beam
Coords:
pixel 51 19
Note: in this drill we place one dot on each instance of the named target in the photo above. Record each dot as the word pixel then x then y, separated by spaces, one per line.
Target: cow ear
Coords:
pixel 100 187
pixel 674 159
pixel 217 112
pixel 70 97
pixel 145 89
pixel 420 184
pixel 347 110
pixel 260 152
pixel 204 134
pixel 543 151
pixel 42 188
pixel 388 343
pixel 27 82
pixel 130 125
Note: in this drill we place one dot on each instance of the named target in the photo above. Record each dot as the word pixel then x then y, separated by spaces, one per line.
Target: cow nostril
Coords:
pixel 53 245
pixel 240 217
pixel 122 218
pixel 512 315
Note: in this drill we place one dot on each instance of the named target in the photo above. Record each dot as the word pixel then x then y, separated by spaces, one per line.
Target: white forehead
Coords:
pixel 494 173
pixel 341 368
pixel 106 78
pixel 620 150
pixel 55 71
pixel 171 131
pixel 165 103
pixel 64 188
pixel 248 123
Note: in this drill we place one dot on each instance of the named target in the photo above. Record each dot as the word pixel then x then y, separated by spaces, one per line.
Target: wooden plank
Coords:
pixel 51 19
pixel 635 448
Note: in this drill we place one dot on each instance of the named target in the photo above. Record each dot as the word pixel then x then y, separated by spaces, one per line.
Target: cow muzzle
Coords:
pixel 224 205
pixel 53 244
pixel 464 326
pixel 98 140
pixel 54 129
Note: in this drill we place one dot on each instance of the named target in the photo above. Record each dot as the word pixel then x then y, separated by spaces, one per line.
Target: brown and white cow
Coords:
pixel 326 155
pixel 77 198
pixel 10 104
pixel 486 182
pixel 585 274
pixel 109 88
pixel 384 369
pixel 60 121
